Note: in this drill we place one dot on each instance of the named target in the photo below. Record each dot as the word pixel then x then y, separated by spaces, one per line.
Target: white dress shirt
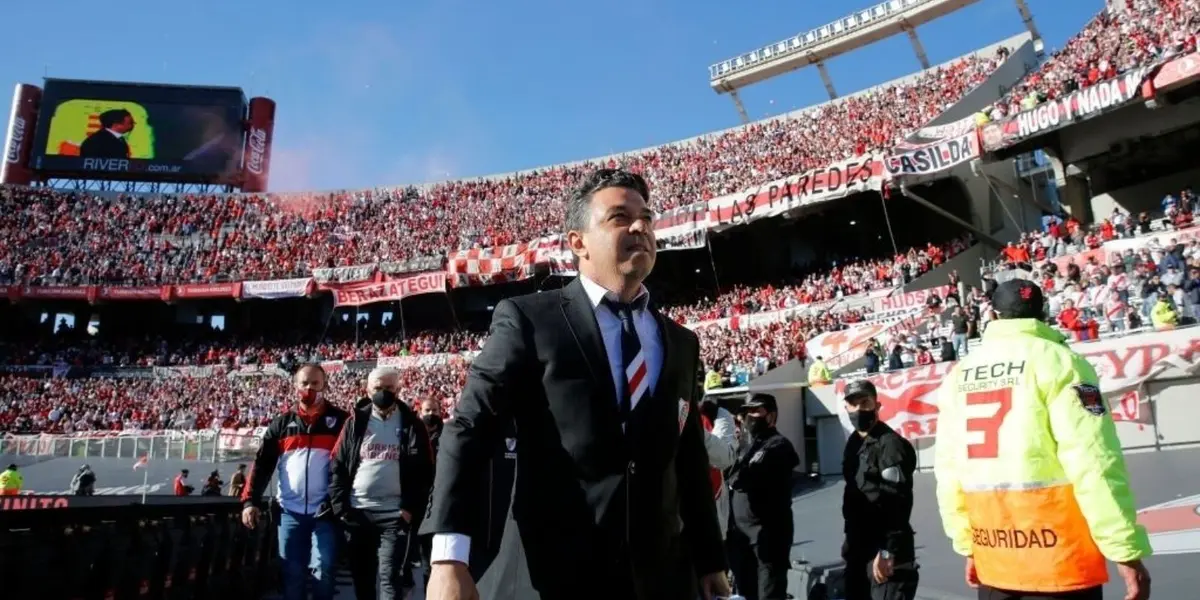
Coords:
pixel 456 546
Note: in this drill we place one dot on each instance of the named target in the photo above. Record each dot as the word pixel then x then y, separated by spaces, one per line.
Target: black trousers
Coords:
pixel 760 565
pixel 379 552
pixel 989 593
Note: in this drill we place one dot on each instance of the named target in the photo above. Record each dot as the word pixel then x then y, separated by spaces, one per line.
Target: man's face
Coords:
pixel 387 382
pixel 620 234
pixel 124 126
pixel 428 407
pixel 310 379
pixel 762 413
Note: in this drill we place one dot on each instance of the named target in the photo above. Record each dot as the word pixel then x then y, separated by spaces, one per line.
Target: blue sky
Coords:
pixel 385 93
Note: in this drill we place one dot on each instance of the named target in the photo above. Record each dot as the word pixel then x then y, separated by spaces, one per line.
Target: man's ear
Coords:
pixel 576 244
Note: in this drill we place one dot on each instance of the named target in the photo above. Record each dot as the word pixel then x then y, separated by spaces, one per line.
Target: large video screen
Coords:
pixel 133 131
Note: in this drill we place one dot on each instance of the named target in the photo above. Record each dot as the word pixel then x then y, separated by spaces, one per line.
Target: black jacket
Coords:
pixel 590 501
pixel 103 144
pixel 761 481
pixel 416 464
pixel 876 502
pixel 499 476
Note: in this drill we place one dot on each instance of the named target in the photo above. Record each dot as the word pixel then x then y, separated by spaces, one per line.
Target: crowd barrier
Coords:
pixel 115 547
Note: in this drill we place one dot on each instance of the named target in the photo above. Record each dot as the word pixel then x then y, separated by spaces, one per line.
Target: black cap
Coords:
pixel 1019 299
pixel 766 401
pixel 858 388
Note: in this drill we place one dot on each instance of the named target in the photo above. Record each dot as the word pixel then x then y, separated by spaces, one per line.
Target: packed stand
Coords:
pixel 77 349
pixel 1067 236
pixel 53 237
pixel 842 281
pixel 57 405
pixel 1116 41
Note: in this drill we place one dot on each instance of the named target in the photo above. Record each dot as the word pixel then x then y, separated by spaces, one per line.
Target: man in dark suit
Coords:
pixel 109 141
pixel 612 496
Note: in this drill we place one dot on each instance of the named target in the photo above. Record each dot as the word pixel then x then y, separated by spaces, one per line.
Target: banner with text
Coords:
pixel 278 288
pixel 682 228
pixel 933 134
pixel 359 294
pixel 934 158
pixel 839 180
pixel 1062 112
pixel 419 361
pixel 908 398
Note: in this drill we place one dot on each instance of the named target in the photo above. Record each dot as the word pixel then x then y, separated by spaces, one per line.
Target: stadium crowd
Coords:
pixel 1113 43
pixel 55 237
pixel 1157 285
pixel 68 405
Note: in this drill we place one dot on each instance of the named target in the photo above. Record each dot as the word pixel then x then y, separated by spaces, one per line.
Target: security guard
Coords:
pixel 11 481
pixel 1031 480
pixel 878 466
pixel 760 539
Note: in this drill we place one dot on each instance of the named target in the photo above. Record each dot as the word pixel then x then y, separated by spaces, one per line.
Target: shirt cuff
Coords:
pixel 454 547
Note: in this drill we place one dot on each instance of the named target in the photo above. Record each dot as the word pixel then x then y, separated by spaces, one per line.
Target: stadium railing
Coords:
pixel 205 445
pixel 122 547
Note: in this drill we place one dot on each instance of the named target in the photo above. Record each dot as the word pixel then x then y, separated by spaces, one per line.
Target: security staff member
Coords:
pixel 878 466
pixel 1031 479
pixel 760 539
pixel 11 481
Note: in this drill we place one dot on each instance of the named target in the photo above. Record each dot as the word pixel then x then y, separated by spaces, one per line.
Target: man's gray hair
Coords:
pixel 379 373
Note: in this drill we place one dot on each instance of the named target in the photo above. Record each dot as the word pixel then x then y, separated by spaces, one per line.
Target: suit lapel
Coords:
pixel 581 319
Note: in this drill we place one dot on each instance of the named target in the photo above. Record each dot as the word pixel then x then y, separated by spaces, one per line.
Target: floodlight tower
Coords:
pixel 856 30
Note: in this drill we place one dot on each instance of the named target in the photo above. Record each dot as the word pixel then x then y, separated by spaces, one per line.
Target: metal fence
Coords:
pixel 207 446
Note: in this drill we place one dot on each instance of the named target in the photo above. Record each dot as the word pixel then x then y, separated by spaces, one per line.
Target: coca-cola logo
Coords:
pixel 258 151
pixel 13 152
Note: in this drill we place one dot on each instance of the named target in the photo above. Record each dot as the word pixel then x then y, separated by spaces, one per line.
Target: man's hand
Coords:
pixel 250 517
pixel 450 581
pixel 971 576
pixel 714 585
pixel 1137 580
pixel 407 516
pixel 882 567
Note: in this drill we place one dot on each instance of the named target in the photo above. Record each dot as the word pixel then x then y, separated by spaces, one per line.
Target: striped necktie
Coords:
pixel 637 372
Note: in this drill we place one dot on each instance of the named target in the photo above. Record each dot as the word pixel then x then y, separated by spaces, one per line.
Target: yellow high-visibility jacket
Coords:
pixel 11 481
pixel 818 373
pixel 1031 479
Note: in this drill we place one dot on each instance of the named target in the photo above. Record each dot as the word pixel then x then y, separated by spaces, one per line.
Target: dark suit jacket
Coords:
pixel 591 504
pixel 103 144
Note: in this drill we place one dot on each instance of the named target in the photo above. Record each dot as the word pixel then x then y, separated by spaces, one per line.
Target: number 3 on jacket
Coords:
pixel 989 446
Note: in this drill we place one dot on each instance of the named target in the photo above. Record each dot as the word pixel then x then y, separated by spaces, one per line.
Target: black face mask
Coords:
pixel 433 422
pixel 383 399
pixel 864 420
pixel 755 425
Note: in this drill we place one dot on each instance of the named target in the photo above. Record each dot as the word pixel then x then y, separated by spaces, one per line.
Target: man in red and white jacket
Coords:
pixel 296 448
pixel 721 444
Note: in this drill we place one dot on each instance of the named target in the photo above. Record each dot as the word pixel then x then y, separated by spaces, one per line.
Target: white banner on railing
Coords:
pixel 278 288
pixel 417 361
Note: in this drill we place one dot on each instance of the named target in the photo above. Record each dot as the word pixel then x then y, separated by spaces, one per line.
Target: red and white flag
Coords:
pixel 141 463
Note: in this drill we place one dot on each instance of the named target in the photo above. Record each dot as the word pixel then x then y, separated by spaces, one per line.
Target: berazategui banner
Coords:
pixel 358 294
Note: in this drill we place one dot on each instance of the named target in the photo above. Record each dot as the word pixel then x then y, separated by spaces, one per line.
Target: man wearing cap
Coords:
pixel 1031 480
pixel 760 539
pixel 878 466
